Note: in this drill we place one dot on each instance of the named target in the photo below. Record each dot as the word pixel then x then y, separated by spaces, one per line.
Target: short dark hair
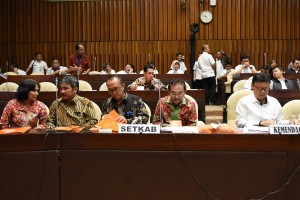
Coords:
pixel 245 56
pixel 260 77
pixel 37 53
pixel 24 88
pixel 178 53
pixel 77 46
pixel 14 65
pixel 176 81
pixel 70 80
pixel 296 59
pixel 148 67
pixel 111 77
pixel 279 67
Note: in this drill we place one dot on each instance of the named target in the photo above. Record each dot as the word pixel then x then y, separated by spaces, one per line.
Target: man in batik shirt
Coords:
pixel 176 106
pixel 147 81
pixel 131 108
pixel 72 108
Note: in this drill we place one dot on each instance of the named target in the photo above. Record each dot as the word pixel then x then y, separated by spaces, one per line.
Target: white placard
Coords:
pixel 141 87
pixel 285 129
pixel 139 128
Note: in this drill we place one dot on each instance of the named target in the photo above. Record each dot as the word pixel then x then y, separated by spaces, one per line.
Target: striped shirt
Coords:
pixel 79 111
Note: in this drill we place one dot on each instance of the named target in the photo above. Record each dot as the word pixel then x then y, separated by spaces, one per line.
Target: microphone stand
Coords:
pixel 58 141
pixel 159 95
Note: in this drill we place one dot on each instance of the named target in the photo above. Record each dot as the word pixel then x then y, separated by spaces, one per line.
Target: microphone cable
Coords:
pixel 193 175
pixel 43 164
pixel 282 187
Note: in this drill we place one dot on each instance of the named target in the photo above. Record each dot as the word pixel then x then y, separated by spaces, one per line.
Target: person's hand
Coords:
pixel 246 64
pixel 267 122
pixel 122 119
pixel 294 121
pixel 85 72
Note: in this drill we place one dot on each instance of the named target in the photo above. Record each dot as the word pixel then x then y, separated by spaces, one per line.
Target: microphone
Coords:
pixel 78 73
pixel 56 101
pixel 95 60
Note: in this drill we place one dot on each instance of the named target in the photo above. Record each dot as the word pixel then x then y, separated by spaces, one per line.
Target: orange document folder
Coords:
pixel 15 130
pixel 109 121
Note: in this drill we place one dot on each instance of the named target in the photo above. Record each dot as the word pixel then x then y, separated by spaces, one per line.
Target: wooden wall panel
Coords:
pixel 127 31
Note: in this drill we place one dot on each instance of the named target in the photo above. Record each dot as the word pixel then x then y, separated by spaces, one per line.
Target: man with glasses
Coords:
pixel 129 107
pixel 259 109
pixel 175 106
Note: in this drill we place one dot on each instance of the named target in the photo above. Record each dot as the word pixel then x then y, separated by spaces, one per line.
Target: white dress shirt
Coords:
pixel 245 69
pixel 198 71
pixel 38 67
pixel 249 111
pixel 205 61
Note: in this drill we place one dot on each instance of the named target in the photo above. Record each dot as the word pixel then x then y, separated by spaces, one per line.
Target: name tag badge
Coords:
pixel 285 129
pixel 139 128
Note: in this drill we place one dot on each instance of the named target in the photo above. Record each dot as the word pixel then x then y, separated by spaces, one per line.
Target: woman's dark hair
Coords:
pixel 25 87
pixel 176 81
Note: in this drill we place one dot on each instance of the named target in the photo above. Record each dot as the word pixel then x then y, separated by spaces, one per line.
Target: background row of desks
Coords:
pixel 122 166
pixel 96 80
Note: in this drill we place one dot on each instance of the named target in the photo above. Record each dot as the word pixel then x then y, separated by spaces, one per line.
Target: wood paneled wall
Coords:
pixel 127 31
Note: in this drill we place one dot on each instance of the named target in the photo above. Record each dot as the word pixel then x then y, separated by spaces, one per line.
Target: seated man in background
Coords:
pixel 15 68
pixel 295 68
pixel 150 63
pixel 279 82
pixel 72 108
pixel 79 62
pixel 222 60
pixel 245 66
pixel 175 68
pixel 128 69
pixel 37 65
pixel 148 82
pixel 56 68
pixel 175 106
pixel 131 108
pixel 258 108
pixel 106 69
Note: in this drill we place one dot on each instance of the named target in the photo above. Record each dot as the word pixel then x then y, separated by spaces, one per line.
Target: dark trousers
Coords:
pixel 198 84
pixel 209 85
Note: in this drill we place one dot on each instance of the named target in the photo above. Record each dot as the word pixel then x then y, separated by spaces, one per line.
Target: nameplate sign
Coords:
pixel 139 128
pixel 285 129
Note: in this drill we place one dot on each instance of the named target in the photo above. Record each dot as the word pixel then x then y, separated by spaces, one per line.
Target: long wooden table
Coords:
pixel 97 80
pixel 163 166
pixel 149 97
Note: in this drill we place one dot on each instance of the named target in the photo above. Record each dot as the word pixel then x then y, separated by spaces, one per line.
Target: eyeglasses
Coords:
pixel 114 90
pixel 266 89
pixel 177 94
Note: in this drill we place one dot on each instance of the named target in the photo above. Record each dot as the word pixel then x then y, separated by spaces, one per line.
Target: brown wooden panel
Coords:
pixel 121 31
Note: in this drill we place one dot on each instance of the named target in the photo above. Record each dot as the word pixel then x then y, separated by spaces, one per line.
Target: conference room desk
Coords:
pixel 149 97
pixel 96 80
pixel 154 166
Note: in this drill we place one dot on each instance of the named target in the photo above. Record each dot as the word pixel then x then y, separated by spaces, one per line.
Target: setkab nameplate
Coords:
pixel 139 128
pixel 285 129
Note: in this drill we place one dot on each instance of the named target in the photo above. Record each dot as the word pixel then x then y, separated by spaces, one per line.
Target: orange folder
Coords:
pixel 109 121
pixel 15 130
